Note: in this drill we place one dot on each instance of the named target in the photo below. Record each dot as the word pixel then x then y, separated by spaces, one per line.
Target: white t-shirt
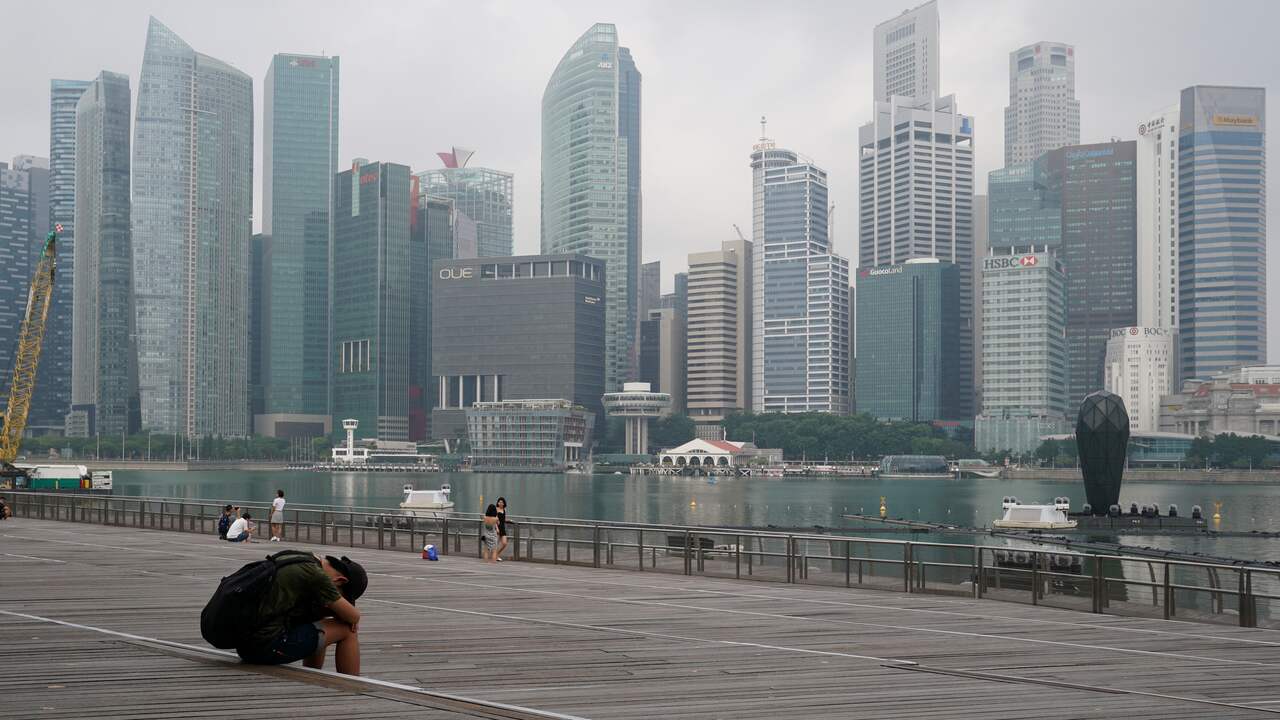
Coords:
pixel 238 527
pixel 277 506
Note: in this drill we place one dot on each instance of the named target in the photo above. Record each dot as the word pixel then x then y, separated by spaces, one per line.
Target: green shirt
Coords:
pixel 300 594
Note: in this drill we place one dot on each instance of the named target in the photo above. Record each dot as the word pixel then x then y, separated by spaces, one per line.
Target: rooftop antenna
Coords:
pixel 763 122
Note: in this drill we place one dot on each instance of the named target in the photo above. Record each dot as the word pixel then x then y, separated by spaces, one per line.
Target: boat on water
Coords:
pixel 914 467
pixel 1035 517
pixel 424 502
pixel 56 477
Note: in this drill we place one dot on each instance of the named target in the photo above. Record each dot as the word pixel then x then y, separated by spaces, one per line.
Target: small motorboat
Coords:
pixel 415 500
pixel 1035 517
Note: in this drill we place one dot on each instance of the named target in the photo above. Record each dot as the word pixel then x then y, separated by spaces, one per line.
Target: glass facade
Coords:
pixel 300 157
pixel 529 435
pixel 433 237
pixel 1024 351
pixel 53 398
pixel 591 177
pixel 483 195
pixel 372 299
pixel 1022 213
pixel 802 306
pixel 1222 236
pixel 15 264
pixel 104 361
pixel 908 327
pixel 1097 188
pixel 192 207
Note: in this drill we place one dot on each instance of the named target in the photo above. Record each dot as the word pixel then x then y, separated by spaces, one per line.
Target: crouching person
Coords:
pixel 305 604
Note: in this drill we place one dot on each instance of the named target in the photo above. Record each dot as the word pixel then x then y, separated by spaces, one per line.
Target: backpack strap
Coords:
pixel 285 558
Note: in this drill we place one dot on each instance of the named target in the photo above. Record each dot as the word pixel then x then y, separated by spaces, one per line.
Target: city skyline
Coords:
pixel 700 202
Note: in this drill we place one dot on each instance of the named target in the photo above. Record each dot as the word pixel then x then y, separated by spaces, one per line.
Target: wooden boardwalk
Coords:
pixel 588 642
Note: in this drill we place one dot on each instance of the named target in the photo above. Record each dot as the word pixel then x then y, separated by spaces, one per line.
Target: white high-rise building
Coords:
pixel 718 342
pixel 1043 113
pixel 907 54
pixel 1141 366
pixel 915 196
pixel 1157 220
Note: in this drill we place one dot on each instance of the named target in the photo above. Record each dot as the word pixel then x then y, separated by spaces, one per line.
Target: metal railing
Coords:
pixel 1100 583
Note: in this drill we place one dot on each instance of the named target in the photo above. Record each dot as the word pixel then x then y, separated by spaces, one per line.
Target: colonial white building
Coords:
pixel 1141 366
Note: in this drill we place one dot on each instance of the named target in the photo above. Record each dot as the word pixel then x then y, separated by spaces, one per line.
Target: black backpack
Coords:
pixel 232 614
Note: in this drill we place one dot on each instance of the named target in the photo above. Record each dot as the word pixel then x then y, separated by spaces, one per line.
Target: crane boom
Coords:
pixel 30 341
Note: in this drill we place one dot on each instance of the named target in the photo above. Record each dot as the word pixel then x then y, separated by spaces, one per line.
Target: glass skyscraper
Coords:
pixel 591 177
pixel 104 360
pixel 482 194
pixel 1022 213
pixel 908 328
pixel 801 305
pixel 300 157
pixel 192 206
pixel 372 305
pixel 16 245
pixel 1222 269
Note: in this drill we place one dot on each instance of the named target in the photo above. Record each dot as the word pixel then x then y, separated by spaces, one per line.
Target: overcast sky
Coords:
pixel 418 77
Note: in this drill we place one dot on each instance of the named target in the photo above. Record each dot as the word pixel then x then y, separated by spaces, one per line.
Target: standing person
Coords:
pixel 241 530
pixel 276 517
pixel 502 527
pixel 224 522
pixel 310 606
pixel 489 534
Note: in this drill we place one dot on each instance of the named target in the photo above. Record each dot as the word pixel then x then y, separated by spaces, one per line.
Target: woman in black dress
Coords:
pixel 502 526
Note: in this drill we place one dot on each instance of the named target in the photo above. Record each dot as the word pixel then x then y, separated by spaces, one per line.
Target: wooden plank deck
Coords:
pixel 595 643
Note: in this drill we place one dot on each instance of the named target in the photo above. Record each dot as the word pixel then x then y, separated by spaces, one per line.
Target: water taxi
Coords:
pixel 1035 517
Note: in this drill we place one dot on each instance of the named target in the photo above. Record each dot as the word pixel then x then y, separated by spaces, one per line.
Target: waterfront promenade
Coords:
pixel 103 621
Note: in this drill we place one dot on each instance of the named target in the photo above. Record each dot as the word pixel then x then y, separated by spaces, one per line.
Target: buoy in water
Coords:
pixel 884 511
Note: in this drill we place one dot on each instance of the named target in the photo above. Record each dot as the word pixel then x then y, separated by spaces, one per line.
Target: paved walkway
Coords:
pixel 589 643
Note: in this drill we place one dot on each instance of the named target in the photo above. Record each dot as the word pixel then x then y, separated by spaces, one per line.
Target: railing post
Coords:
pixel 640 549
pixel 907 562
pixel 324 527
pixel 1249 600
pixel 182 516
pixel 1035 577
pixel 688 570
pixel 515 538
pixel 980 583
pixel 595 546
pixel 444 536
pixel 555 544
pixel 1240 598
pixel 380 532
pixel 848 564
pixel 296 519
pixel 1168 594
pixel 737 556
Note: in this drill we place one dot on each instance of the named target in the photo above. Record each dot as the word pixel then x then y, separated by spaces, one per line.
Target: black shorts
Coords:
pixel 296 643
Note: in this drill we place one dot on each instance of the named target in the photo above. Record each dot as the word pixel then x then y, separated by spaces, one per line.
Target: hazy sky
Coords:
pixel 418 77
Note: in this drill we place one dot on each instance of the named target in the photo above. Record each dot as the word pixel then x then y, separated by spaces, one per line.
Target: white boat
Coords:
pixel 415 500
pixel 1035 517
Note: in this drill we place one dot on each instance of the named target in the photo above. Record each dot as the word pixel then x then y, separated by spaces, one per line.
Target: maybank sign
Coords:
pixel 1236 120
pixel 1005 262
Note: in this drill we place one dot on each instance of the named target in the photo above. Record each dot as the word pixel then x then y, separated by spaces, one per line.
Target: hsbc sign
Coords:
pixel 1006 262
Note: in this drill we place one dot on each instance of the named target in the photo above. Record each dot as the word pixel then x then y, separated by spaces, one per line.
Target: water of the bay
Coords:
pixel 737 502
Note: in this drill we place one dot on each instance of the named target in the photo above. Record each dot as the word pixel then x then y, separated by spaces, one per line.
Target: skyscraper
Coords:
pixel 718 338
pixel 57 206
pixel 372 306
pixel 908 324
pixel 299 159
pixel 907 54
pixel 1043 113
pixel 16 246
pixel 192 204
pixel 650 293
pixel 591 177
pixel 482 194
pixel 915 193
pixel 662 355
pixel 1157 255
pixel 434 235
pixel 800 303
pixel 1222 269
pixel 104 360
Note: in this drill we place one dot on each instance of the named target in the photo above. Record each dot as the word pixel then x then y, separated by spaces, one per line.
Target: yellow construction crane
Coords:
pixel 27 358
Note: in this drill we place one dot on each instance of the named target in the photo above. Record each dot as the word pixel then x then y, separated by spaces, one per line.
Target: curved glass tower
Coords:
pixel 591 177
pixel 192 203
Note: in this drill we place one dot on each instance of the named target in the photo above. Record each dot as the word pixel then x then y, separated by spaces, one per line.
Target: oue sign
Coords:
pixel 463 273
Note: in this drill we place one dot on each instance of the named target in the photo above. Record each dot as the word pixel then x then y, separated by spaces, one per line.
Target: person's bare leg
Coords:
pixel 347 656
pixel 502 545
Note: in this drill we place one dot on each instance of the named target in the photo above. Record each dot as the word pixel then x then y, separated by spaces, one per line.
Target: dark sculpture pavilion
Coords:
pixel 1102 440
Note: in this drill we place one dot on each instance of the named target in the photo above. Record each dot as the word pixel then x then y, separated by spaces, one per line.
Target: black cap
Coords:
pixel 226 508
pixel 247 516
pixel 357 580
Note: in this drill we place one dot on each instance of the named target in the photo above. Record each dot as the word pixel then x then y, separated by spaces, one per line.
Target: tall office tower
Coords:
pixel 53 377
pixel 662 355
pixel 17 247
pixel 192 204
pixel 1142 367
pixel 260 250
pixel 1023 215
pixel 299 159
pixel 915 188
pixel 482 194
pixel 1157 158
pixel 1096 186
pixel 800 299
pixel 103 358
pixel 1024 353
pixel 650 288
pixel 981 245
pixel 436 233
pixel 591 177
pixel 1043 113
pixel 1222 200
pixel 718 336
pixel 372 306
pixel 908 323
pixel 907 54
pixel 57 205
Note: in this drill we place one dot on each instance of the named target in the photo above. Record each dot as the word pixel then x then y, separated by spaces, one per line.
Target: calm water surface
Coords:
pixel 751 502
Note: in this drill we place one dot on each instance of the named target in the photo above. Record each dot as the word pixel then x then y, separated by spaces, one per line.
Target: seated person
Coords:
pixel 309 607
pixel 241 530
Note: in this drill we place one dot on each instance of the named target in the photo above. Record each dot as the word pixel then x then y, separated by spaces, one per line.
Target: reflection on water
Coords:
pixel 749 502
